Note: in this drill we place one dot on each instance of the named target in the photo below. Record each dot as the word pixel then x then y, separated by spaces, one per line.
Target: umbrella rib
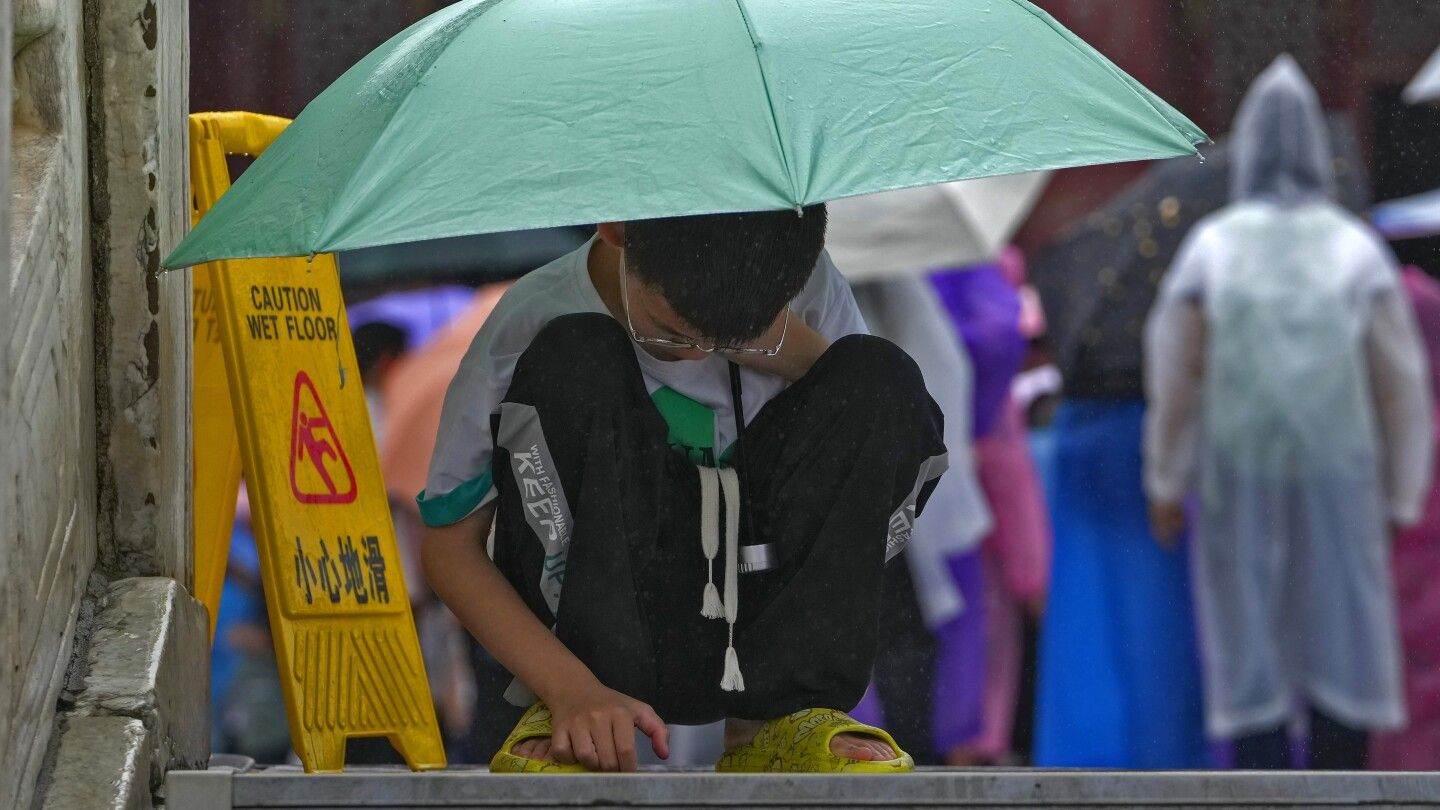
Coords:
pixel 769 103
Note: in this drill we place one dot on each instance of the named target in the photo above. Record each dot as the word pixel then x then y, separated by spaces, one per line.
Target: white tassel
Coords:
pixel 712 608
pixel 732 681
pixel 710 605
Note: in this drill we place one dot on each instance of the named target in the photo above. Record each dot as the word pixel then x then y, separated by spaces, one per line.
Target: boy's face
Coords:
pixel 652 316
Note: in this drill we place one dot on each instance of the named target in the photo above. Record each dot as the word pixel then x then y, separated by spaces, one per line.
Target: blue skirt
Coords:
pixel 1119 672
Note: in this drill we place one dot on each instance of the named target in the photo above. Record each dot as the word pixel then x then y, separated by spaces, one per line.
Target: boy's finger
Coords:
pixel 653 727
pixel 625 746
pixel 561 749
pixel 584 745
pixel 602 731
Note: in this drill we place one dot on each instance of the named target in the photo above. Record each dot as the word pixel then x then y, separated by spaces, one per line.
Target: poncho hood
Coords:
pixel 1281 145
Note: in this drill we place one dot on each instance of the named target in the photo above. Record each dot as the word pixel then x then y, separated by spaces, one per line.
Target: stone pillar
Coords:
pixel 136 696
pixel 137 72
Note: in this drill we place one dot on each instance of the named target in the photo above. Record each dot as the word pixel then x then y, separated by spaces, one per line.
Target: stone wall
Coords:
pixel 47 441
pixel 136 59
pixel 94 389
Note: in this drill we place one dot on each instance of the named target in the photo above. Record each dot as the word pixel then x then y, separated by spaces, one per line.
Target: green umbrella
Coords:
pixel 497 115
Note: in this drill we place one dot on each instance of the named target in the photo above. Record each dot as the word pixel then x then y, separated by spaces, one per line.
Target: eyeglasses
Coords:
pixel 685 344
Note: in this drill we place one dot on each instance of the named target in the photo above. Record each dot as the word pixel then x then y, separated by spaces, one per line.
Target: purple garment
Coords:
pixel 985 307
pixel 418 313
pixel 958 684
pixel 960 660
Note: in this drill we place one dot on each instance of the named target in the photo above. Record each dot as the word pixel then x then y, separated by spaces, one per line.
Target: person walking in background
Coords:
pixel 1118 670
pixel 1287 391
pixel 928 682
pixel 991 316
pixel 1417 567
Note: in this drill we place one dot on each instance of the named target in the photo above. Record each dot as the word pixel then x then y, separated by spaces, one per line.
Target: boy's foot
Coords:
pixel 863 747
pixel 739 732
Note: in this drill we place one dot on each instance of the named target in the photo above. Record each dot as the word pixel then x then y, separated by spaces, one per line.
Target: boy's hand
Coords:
pixel 595 727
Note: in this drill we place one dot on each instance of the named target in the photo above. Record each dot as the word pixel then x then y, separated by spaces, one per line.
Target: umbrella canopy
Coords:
pixel 1409 217
pixel 497 115
pixel 916 230
pixel 1426 84
pixel 1098 281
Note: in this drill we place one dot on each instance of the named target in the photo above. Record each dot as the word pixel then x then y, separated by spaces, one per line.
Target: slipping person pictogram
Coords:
pixel 312 441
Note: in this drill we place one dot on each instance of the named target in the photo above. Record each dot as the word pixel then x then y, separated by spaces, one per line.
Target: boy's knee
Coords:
pixel 878 385
pixel 874 366
pixel 588 353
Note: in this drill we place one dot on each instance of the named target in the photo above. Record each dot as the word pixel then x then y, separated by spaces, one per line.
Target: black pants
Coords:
pixel 905 668
pixel 1333 747
pixel 825 465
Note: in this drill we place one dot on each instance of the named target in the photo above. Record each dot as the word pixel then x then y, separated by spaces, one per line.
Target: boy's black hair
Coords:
pixel 727 275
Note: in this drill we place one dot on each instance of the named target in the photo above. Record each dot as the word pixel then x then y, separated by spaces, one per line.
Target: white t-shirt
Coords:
pixel 689 393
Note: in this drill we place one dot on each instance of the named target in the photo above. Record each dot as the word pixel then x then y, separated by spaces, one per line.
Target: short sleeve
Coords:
pixel 1400 388
pixel 1174 351
pixel 460 480
pixel 828 306
pixel 1185 280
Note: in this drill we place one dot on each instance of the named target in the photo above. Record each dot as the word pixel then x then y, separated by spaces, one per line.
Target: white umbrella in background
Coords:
pixel 915 230
pixel 1426 84
pixel 1408 217
pixel 885 244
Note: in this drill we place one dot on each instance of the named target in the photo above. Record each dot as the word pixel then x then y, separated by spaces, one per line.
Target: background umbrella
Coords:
pixel 1409 217
pixel 1426 84
pixel 417 314
pixel 497 115
pixel 917 230
pixel 1097 283
pixel 414 392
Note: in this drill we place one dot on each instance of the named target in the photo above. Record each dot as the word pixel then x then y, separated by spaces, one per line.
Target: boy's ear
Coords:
pixel 612 233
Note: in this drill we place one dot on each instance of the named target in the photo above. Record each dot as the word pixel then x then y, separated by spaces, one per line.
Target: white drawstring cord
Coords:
pixel 717 485
pixel 710 606
pixel 732 680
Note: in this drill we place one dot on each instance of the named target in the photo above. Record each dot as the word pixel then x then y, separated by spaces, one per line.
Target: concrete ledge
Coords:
pixel 148 662
pixel 474 788
pixel 102 762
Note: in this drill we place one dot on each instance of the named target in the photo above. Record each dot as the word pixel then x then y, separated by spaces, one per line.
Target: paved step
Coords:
pixel 284 787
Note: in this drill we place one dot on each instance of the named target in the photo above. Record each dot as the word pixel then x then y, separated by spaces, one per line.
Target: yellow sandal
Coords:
pixel 535 724
pixel 800 743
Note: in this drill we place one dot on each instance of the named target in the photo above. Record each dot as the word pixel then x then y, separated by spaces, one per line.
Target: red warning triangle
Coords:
pixel 319 469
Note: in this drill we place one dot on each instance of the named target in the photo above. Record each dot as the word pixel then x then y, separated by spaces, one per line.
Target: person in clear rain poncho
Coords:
pixel 1288 391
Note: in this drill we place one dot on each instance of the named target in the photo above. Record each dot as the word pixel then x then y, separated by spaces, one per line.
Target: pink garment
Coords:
pixel 1017 571
pixel 1416 564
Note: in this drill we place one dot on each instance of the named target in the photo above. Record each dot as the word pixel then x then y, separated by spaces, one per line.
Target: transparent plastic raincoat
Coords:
pixel 1288 390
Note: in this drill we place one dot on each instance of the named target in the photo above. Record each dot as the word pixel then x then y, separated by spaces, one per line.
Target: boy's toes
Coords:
pixel 862 747
pixel 532 749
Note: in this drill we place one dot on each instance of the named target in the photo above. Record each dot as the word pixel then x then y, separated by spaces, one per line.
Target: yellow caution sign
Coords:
pixel 215 472
pixel 345 641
